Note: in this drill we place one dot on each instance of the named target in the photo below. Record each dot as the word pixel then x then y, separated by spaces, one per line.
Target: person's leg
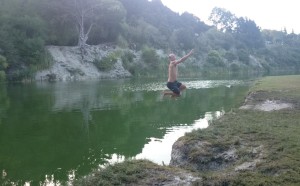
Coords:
pixel 168 93
pixel 182 87
pixel 174 95
pixel 176 92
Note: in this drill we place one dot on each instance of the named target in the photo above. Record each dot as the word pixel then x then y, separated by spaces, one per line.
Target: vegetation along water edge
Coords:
pixel 250 145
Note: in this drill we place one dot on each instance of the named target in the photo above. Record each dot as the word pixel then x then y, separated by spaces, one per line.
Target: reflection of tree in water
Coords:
pixel 4 102
pixel 4 106
pixel 85 110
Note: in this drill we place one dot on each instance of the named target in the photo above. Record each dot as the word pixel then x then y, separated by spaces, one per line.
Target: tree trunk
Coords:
pixel 83 37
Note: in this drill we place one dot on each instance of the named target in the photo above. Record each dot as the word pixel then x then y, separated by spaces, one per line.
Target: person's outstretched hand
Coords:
pixel 191 52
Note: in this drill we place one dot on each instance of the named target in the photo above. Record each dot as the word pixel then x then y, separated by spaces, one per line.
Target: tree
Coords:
pixel 249 33
pixel 223 19
pixel 214 59
pixel 87 14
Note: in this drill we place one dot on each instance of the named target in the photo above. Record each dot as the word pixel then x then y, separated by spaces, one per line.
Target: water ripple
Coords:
pixel 198 84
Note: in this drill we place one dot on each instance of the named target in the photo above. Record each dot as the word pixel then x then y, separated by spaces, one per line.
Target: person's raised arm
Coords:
pixel 185 57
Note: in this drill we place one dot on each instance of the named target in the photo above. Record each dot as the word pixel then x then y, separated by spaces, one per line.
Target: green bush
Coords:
pixel 234 67
pixel 106 63
pixel 121 41
pixel 127 60
pixel 214 59
pixel 3 66
pixel 266 67
pixel 230 56
pixel 2 75
pixel 33 51
pixel 3 63
pixel 243 56
pixel 150 57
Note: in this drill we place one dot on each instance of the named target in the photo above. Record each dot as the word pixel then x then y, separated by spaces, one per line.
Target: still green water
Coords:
pixel 55 133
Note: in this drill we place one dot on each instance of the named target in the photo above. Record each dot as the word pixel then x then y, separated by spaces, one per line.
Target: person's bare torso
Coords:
pixel 172 71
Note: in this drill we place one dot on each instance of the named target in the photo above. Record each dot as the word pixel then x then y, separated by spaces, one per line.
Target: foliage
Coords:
pixel 214 59
pixel 88 21
pixel 223 19
pixel 163 23
pixel 107 62
pixel 234 67
pixel 2 75
pixel 3 63
pixel 248 33
pixel 243 56
pixel 150 57
pixel 3 66
pixel 182 39
pixel 230 56
pixel 122 42
pixel 127 60
pixel 22 43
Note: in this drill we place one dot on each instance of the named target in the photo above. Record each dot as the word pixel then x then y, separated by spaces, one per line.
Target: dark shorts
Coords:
pixel 174 86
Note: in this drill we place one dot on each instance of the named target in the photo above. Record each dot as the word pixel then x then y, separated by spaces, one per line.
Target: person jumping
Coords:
pixel 175 86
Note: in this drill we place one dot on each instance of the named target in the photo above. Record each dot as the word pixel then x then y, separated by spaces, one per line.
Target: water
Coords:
pixel 54 133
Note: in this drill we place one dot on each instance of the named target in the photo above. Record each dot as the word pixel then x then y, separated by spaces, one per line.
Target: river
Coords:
pixel 53 133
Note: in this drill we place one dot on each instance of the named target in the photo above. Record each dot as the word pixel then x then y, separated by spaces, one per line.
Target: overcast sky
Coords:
pixel 267 14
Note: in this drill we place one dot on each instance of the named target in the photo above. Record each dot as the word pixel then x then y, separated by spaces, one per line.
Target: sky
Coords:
pixel 267 14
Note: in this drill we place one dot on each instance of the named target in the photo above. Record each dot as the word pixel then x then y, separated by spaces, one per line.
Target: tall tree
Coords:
pixel 248 32
pixel 87 14
pixel 223 19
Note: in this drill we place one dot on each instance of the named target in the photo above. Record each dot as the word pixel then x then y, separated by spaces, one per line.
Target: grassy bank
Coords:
pixel 284 87
pixel 266 146
pixel 275 134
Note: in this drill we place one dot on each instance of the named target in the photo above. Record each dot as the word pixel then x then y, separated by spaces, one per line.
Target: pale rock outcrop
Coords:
pixel 71 63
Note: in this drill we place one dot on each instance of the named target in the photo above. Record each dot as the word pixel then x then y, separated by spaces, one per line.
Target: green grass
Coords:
pixel 285 86
pixel 277 132
pixel 130 172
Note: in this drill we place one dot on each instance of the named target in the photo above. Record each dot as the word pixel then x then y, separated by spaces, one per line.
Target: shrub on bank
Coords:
pixel 106 63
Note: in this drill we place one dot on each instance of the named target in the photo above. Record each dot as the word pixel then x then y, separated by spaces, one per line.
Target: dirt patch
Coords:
pixel 257 153
pixel 259 101
pixel 268 105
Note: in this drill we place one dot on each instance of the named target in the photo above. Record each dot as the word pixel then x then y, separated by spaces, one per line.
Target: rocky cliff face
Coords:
pixel 70 63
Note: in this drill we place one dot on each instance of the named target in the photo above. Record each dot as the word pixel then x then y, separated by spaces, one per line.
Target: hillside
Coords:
pixel 28 27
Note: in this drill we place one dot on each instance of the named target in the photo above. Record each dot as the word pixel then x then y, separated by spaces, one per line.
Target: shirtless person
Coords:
pixel 175 86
